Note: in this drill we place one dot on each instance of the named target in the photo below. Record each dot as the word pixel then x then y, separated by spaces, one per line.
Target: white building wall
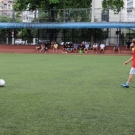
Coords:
pixel 28 16
pixel 121 17
pixel 131 10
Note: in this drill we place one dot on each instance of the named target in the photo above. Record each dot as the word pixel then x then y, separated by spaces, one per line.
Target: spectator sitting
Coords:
pixel 86 47
pixel 102 47
pixel 128 44
pixel 64 48
pixel 70 47
pixel 116 48
pixel 81 48
pixel 42 47
pixel 38 47
pixel 55 47
pixel 45 47
pixel 95 47
pixel 83 43
pixel 75 47
pixel 52 43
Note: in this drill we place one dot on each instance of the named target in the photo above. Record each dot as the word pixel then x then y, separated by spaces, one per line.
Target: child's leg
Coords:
pixel 131 73
pixel 130 78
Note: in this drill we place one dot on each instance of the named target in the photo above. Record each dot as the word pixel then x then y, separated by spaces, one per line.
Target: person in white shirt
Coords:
pixel 95 47
pixel 102 48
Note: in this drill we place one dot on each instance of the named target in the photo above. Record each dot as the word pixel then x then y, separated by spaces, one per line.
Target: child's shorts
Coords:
pixel 132 70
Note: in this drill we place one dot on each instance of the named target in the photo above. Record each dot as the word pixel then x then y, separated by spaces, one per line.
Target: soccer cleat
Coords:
pixel 125 85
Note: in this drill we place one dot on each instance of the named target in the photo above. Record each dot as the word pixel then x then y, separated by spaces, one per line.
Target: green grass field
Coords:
pixel 65 95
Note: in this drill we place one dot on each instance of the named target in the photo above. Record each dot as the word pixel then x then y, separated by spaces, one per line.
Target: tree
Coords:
pixel 50 5
pixel 115 5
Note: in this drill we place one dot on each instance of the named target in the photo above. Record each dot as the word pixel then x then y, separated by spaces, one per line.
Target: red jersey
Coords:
pixel 133 61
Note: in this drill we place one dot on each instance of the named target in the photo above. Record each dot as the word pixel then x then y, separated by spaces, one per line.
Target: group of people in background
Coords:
pixel 83 47
pixel 41 48
pixel 75 47
pixel 44 47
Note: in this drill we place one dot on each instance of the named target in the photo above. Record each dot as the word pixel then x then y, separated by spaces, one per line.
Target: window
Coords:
pixel 5 14
pixel 5 5
pixel 105 17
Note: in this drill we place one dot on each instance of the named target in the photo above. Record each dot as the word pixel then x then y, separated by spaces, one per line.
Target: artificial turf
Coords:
pixel 65 95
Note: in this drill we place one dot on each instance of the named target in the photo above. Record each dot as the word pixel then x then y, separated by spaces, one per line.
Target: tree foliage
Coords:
pixel 115 5
pixel 59 15
pixel 5 19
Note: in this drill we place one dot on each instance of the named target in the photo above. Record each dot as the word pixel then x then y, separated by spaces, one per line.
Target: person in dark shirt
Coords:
pixel 70 47
pixel 81 48
pixel 64 48
pixel 45 47
pixel 128 44
pixel 116 48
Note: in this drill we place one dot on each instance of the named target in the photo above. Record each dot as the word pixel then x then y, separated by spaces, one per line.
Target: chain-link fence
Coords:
pixel 32 36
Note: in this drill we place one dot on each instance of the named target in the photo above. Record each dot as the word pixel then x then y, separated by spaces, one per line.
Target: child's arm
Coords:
pixel 128 60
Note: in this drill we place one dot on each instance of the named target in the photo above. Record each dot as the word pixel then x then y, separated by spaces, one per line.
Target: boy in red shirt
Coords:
pixel 132 70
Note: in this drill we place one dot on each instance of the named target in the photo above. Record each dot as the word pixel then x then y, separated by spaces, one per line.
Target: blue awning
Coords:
pixel 66 25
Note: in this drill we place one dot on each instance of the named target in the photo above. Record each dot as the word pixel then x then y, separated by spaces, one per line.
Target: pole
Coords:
pixel 93 12
pixel 92 19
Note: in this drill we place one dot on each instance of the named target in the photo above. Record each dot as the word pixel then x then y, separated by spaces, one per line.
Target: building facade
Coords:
pixel 6 8
pixel 113 35
pixel 28 16
pixel 131 10
pixel 130 3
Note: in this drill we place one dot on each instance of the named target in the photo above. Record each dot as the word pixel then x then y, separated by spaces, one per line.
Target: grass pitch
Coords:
pixel 65 95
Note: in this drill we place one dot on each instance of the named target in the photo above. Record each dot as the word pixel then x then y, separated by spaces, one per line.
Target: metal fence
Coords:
pixel 110 36
pixel 69 15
